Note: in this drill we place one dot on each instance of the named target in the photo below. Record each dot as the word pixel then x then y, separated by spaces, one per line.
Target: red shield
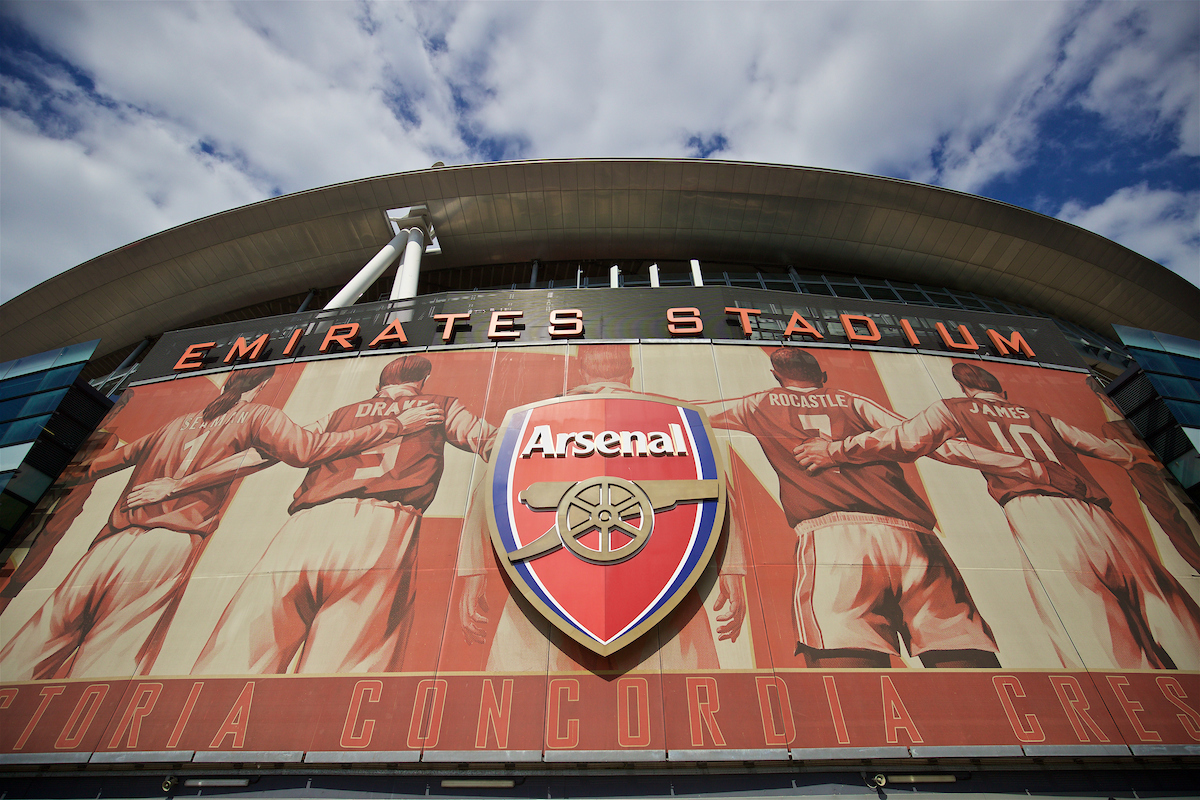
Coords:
pixel 605 509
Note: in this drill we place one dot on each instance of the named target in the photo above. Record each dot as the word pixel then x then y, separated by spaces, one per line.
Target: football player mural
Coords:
pixel 462 549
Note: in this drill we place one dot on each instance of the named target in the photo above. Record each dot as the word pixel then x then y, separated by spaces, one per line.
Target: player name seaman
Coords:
pixel 607 443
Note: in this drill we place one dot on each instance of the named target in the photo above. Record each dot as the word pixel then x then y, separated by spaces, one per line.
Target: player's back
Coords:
pixel 406 469
pixel 184 446
pixel 783 418
pixel 998 424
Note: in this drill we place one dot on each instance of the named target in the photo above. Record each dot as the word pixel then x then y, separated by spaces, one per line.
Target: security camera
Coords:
pixel 169 784
pixel 879 780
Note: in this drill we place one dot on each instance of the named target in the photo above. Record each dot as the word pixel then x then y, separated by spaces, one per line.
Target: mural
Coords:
pixel 907 551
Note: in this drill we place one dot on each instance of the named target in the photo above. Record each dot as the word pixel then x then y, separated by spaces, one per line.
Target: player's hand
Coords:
pixel 472 607
pixel 1066 481
pixel 732 592
pixel 420 415
pixel 154 491
pixel 814 455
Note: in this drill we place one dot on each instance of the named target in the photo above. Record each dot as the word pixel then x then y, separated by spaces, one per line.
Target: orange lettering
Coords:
pixel 1008 687
pixel 633 703
pixel 48 694
pixel 139 707
pixel 798 324
pixel 426 724
pixel 774 736
pixel 968 343
pixel 250 352
pixel 342 334
pixel 566 322
pixel 702 712
pixel 1016 343
pixel 364 691
pixel 744 315
pixel 1070 696
pixel 872 334
pixel 394 332
pixel 684 321
pixel 237 720
pixel 909 334
pixel 494 713
pixel 86 708
pixel 193 357
pixel 561 691
pixel 1131 708
pixel 1173 691
pixel 896 716
pixel 503 325
pixel 292 342
pixel 451 320
pixel 835 709
pixel 185 714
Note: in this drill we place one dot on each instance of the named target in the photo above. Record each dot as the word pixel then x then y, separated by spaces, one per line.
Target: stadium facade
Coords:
pixel 611 476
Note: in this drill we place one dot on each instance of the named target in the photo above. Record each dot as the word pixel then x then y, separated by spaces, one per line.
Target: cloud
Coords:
pixel 128 118
pixel 1158 223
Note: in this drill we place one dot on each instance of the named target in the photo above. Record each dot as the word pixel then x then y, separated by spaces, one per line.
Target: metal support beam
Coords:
pixel 654 276
pixel 614 277
pixel 697 278
pixel 409 271
pixel 369 273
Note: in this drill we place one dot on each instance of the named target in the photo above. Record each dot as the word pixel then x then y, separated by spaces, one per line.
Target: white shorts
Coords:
pixel 1120 608
pixel 337 581
pixel 109 616
pixel 863 579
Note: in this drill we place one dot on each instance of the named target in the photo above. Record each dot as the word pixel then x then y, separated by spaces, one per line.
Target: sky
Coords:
pixel 119 119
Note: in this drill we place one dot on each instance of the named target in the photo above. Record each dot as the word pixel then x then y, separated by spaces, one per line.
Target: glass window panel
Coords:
pixel 1152 361
pixel 34 363
pixel 1134 337
pixel 849 290
pixel 42 403
pixel 1178 345
pixel 816 288
pixel 4 368
pixel 11 511
pixel 1170 386
pixel 29 483
pixel 76 353
pixel 1185 413
pixel 881 293
pixel 11 457
pixel 912 296
pixel 25 430
pixel 1186 366
pixel 61 376
pixel 15 387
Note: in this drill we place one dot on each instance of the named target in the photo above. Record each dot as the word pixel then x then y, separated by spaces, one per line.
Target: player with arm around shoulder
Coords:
pixel 1092 570
pixel 869 567
pixel 335 586
pixel 110 615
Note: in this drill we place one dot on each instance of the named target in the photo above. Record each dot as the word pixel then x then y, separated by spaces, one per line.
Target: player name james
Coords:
pixel 607 443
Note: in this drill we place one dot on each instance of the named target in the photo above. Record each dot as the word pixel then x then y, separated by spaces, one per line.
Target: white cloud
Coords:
pixel 1160 224
pixel 186 109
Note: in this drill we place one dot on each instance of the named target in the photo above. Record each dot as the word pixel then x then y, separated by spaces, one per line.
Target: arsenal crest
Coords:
pixel 604 509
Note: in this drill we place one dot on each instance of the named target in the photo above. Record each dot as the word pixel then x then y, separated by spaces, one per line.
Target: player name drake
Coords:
pixel 549 444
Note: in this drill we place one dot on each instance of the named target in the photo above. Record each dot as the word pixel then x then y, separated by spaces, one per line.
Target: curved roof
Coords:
pixel 599 209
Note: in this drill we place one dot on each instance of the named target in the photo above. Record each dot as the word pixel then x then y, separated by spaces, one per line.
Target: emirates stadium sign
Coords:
pixel 604 509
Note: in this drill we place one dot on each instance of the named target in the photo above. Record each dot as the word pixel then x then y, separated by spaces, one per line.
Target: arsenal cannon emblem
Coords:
pixel 604 509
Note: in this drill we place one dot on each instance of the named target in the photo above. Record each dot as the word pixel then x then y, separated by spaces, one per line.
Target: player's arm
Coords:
pixel 228 469
pixel 731 579
pixel 466 431
pixel 1127 455
pixel 277 436
pixel 728 414
pixel 114 460
pixel 906 441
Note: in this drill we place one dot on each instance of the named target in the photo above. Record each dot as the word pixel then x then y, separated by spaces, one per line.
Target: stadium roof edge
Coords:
pixel 585 209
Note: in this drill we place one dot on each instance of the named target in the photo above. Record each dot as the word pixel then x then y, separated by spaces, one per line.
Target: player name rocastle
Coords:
pixel 607 443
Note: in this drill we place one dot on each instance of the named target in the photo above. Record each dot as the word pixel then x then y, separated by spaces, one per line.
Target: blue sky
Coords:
pixel 118 119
